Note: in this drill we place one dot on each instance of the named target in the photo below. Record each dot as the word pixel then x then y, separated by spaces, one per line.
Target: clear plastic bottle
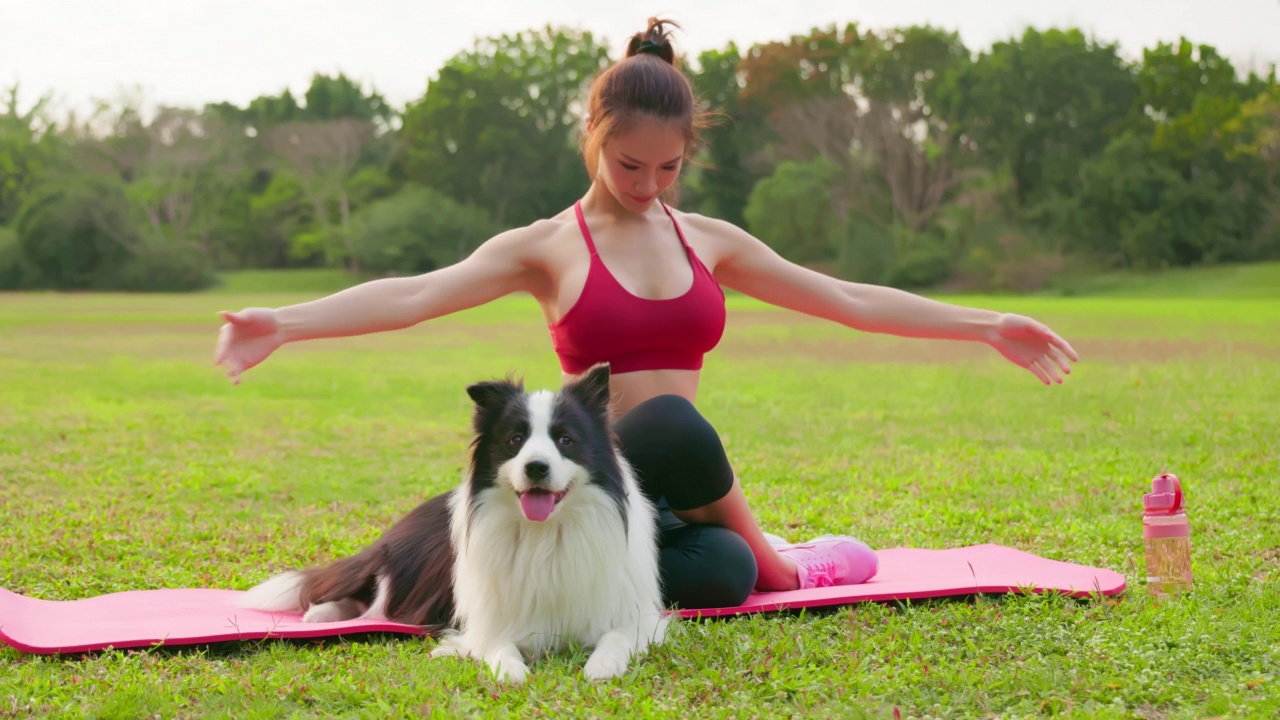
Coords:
pixel 1167 536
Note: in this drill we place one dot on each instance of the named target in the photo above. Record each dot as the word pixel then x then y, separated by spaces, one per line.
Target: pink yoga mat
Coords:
pixel 146 618
pixel 909 573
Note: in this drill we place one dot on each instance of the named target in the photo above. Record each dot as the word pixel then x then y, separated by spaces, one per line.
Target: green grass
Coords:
pixel 311 280
pixel 127 462
pixel 1256 280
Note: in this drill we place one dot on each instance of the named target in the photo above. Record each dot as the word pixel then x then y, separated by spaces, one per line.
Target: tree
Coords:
pixel 328 97
pixel 1039 105
pixel 1187 182
pixel 323 156
pixel 326 155
pixel 1171 78
pixel 78 233
pixel 497 128
pixel 824 63
pixel 878 129
pixel 417 230
pixel 186 175
pixel 1256 135
pixel 729 173
pixel 1136 208
pixel 28 146
pixel 793 211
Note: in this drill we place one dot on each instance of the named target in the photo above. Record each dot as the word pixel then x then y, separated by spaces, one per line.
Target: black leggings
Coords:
pixel 681 465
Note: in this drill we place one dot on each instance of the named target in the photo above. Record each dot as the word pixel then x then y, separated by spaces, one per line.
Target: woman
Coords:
pixel 622 278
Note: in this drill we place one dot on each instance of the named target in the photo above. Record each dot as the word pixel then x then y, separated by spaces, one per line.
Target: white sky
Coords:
pixel 189 52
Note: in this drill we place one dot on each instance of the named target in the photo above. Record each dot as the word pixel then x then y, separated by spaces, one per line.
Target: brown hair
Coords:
pixel 647 82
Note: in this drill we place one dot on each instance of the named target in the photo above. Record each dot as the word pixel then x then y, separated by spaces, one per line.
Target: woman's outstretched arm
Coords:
pixel 747 265
pixel 507 263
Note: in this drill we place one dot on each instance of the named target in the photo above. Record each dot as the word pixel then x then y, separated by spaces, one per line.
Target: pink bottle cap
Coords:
pixel 1165 496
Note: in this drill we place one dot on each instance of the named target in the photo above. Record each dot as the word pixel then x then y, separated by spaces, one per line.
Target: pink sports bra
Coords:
pixel 609 324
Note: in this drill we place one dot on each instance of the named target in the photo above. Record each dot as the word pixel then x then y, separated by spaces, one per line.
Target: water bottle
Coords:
pixel 1167 536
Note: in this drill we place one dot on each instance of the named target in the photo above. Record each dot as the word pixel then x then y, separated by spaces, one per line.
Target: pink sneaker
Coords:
pixel 832 560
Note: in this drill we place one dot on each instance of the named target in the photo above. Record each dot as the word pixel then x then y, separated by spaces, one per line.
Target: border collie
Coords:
pixel 546 543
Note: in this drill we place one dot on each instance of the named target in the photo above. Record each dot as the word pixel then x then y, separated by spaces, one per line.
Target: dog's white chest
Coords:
pixel 572 578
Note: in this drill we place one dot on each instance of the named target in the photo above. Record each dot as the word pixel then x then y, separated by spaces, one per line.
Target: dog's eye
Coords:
pixel 564 440
pixel 516 439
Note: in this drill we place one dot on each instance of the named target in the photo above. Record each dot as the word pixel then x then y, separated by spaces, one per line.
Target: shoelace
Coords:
pixel 821 573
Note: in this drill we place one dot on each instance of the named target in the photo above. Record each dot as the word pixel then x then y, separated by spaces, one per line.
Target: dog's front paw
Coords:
pixel 444 650
pixel 507 664
pixel 509 670
pixel 606 663
pixel 453 644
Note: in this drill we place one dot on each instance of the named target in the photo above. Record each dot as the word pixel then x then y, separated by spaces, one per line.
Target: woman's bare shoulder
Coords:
pixel 706 223
pixel 534 238
pixel 708 234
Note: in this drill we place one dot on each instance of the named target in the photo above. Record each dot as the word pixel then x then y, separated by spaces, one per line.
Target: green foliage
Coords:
pixel 497 128
pixel 906 64
pixel 819 64
pixel 164 266
pixel 791 211
pixel 312 281
pixel 725 183
pixel 279 214
pixel 339 97
pixel 327 98
pixel 925 265
pixel 28 147
pixel 1172 79
pixel 867 253
pixel 1141 210
pixel 1039 105
pixel 15 273
pixel 417 230
pixel 78 233
pixel 1088 159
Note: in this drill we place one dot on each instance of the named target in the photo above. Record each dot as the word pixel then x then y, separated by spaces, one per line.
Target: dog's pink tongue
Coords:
pixel 537 504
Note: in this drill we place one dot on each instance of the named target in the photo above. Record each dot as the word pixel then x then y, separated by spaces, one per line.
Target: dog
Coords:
pixel 547 542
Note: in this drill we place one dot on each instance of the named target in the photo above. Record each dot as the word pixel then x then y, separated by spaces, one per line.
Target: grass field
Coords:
pixel 127 462
pixel 1254 280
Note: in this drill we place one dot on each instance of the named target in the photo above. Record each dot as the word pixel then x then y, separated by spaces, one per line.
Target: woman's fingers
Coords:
pixel 1057 356
pixel 220 347
pixel 1057 342
pixel 1041 372
pixel 234 368
pixel 1038 372
pixel 236 318
pixel 1050 371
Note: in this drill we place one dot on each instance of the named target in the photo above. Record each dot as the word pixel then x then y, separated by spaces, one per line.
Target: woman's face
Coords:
pixel 637 165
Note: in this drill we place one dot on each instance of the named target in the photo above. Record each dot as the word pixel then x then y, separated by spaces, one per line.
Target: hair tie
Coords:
pixel 649 46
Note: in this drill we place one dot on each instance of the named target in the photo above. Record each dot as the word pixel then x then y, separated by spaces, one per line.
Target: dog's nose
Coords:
pixel 537 470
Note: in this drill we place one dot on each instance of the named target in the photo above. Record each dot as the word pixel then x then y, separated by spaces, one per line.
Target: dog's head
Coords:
pixel 543 446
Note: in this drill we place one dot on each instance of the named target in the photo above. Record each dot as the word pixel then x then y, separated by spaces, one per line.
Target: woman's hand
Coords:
pixel 246 339
pixel 1030 344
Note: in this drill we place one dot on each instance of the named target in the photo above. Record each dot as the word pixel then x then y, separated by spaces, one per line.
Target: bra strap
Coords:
pixel 679 232
pixel 582 223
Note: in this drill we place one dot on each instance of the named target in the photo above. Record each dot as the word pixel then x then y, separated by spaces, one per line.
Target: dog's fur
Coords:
pixel 498 583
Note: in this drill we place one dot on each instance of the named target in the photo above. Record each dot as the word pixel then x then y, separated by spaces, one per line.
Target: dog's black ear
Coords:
pixel 592 389
pixel 494 393
pixel 491 398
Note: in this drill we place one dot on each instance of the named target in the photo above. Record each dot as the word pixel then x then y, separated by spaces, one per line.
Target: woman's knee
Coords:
pixel 675 451
pixel 665 419
pixel 708 566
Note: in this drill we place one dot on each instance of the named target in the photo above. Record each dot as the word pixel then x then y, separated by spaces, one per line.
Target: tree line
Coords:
pixel 897 156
